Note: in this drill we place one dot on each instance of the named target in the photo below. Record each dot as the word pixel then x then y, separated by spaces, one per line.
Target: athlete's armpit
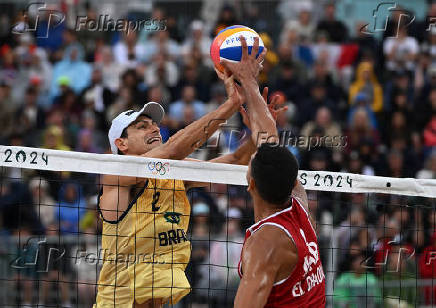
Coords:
pixel 266 255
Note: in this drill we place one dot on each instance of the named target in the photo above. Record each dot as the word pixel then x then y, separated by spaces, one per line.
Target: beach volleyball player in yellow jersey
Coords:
pixel 144 241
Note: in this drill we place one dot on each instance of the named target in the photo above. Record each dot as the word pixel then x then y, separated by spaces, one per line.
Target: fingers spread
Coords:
pixel 255 49
pixel 276 100
pixel 265 94
pixel 220 74
pixel 261 57
pixel 244 47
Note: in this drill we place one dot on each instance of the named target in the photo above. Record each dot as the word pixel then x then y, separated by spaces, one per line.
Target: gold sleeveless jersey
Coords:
pixel 145 252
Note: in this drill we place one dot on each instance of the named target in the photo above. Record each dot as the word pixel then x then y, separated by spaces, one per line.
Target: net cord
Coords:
pixel 56 160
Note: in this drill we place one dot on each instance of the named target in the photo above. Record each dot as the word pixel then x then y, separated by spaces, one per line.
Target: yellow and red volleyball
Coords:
pixel 227 44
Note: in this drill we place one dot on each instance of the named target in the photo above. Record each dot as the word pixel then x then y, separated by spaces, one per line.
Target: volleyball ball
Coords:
pixel 227 44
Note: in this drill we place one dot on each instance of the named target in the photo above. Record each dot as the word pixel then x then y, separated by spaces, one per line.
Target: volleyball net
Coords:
pixel 375 234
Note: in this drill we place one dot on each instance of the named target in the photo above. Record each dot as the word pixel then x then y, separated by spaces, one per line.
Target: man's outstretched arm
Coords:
pixel 262 122
pixel 188 139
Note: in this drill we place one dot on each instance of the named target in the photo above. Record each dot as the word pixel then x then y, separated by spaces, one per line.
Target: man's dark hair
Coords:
pixel 274 170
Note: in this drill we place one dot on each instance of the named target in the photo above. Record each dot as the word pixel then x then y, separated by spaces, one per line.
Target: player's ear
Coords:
pixel 122 144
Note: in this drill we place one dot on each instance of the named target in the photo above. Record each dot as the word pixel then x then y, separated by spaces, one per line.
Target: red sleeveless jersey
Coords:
pixel 305 287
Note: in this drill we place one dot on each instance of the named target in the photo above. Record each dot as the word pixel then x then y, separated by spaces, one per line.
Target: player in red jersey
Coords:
pixel 280 264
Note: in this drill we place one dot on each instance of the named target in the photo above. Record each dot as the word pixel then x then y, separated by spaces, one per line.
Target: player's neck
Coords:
pixel 263 209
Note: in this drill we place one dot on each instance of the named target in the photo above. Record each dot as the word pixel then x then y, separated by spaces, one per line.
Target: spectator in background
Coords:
pixel 30 117
pixel 366 82
pixel 89 38
pixel 400 84
pixel 111 70
pixel 55 268
pixel 200 250
pixel 357 166
pixel 335 29
pixel 425 106
pixel 395 165
pixel 226 18
pixel 127 52
pixel 254 18
pixel 304 25
pixel 72 206
pixel 270 61
pixel 8 68
pixel 33 66
pixel 160 43
pixel 16 207
pixel 362 136
pixel 429 170
pixel 188 99
pixel 7 107
pixel 288 81
pixel 197 39
pixel 99 138
pixel 73 67
pixel 44 203
pixel 401 50
pixel 323 119
pixel 225 252
pixel 430 133
pixel 54 139
pixel 368 45
pixel 69 104
pixel 162 72
pixel 318 98
pixel 320 73
pixel 357 288
pixel 86 143
pixel 97 98
pixel 194 75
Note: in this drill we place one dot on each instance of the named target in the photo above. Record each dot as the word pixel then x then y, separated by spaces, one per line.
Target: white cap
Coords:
pixel 153 110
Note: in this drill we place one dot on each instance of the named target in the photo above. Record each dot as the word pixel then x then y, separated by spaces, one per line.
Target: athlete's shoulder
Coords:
pixel 273 238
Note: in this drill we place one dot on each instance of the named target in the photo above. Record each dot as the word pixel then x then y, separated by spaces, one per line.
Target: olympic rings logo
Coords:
pixel 158 167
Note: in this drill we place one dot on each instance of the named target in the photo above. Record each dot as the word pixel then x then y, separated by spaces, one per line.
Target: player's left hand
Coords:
pixel 234 91
pixel 272 107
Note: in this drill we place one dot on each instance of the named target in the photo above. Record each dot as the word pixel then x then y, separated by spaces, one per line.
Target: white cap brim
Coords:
pixel 152 110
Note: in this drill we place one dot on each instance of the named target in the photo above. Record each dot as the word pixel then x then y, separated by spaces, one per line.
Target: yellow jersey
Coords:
pixel 145 252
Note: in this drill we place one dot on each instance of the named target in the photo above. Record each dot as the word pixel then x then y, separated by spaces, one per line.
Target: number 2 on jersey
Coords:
pixel 156 196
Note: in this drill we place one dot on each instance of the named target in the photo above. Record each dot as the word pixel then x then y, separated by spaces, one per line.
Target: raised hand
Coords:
pixel 249 66
pixel 234 91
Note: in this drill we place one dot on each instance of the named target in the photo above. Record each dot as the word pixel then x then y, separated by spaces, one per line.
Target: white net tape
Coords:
pixel 54 160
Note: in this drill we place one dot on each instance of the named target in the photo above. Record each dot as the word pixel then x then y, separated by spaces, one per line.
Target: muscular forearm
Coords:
pixel 241 156
pixel 186 140
pixel 263 126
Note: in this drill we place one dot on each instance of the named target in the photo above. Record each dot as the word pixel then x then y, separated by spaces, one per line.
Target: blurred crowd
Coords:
pixel 376 97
